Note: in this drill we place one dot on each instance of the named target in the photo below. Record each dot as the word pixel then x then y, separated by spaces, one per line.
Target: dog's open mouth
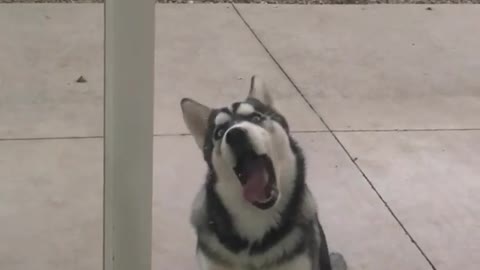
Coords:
pixel 257 176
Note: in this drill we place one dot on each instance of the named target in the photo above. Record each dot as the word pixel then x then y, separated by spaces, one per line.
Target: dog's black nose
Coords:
pixel 239 142
pixel 236 137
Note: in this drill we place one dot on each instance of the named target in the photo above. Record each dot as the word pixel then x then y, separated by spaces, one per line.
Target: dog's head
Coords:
pixel 246 145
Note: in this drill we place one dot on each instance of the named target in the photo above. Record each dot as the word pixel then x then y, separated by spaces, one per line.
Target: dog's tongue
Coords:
pixel 256 182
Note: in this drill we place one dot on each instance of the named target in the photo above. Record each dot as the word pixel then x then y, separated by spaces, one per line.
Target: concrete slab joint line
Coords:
pixel 294 132
pixel 332 132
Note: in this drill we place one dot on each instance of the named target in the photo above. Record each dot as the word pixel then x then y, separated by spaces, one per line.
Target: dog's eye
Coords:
pixel 256 118
pixel 219 133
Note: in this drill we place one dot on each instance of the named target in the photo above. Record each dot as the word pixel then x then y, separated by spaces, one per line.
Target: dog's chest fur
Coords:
pixel 284 244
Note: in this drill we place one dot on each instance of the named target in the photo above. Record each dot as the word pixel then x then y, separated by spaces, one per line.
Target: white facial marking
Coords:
pixel 252 223
pixel 245 109
pixel 222 118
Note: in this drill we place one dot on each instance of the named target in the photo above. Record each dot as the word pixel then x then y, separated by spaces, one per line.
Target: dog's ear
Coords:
pixel 196 116
pixel 259 91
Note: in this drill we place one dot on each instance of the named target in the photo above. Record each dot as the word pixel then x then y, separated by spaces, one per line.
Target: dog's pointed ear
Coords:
pixel 259 91
pixel 196 116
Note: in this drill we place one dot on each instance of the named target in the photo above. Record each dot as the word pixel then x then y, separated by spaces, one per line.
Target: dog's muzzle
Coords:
pixel 255 171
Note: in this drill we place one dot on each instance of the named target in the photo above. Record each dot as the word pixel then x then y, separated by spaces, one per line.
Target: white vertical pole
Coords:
pixel 128 145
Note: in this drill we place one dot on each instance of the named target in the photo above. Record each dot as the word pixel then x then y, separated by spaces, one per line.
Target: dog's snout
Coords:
pixel 236 137
pixel 239 142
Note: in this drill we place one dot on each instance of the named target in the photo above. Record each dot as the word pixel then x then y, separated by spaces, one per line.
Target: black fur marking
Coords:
pixel 211 254
pixel 235 106
pixel 208 142
pixel 257 105
pixel 324 256
pixel 290 214
pixel 220 221
pixel 297 250
pixel 269 111
pixel 225 110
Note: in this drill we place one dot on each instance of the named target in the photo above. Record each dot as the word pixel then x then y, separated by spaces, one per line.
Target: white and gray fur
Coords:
pixel 232 233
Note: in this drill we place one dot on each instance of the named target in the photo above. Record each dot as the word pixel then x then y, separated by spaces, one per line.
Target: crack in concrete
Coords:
pixel 332 132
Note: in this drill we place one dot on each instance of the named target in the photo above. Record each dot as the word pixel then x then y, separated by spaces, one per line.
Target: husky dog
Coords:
pixel 254 211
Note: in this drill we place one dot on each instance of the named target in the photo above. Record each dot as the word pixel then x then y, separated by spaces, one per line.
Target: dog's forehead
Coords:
pixel 226 114
pixel 241 108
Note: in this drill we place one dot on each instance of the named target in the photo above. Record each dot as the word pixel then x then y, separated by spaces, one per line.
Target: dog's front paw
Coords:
pixel 337 261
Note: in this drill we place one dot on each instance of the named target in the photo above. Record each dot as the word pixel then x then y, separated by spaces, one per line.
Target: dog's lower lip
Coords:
pixel 270 201
pixel 273 193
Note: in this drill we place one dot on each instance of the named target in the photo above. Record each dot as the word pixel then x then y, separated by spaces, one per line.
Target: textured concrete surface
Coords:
pixel 51 204
pixel 210 57
pixel 379 67
pixel 50 46
pixel 430 180
pixel 44 50
pixel 360 68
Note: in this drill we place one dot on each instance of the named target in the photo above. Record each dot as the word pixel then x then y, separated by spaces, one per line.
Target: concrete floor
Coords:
pixel 395 173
